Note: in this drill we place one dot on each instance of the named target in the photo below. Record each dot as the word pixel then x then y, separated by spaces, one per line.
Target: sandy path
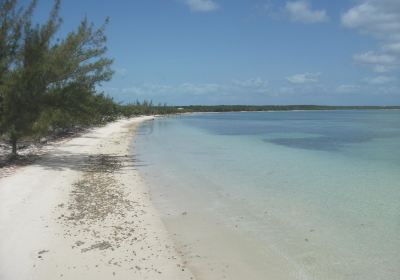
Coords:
pixel 83 212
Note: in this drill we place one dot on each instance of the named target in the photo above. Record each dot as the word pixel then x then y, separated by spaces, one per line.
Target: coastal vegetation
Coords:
pixel 49 83
pixel 253 108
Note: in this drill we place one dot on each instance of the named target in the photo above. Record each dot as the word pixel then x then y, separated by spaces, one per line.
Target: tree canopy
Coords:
pixel 46 81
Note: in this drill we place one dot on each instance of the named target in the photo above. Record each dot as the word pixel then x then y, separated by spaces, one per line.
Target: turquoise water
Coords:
pixel 279 195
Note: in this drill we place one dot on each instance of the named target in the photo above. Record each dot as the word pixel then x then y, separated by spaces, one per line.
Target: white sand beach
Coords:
pixel 83 212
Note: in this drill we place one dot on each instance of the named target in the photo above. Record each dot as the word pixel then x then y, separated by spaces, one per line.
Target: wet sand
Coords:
pixel 82 211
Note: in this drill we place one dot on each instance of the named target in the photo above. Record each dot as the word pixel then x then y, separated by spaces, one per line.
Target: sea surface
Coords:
pixel 278 195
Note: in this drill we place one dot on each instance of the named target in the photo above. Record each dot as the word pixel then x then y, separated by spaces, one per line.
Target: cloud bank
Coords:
pixel 380 19
pixel 304 78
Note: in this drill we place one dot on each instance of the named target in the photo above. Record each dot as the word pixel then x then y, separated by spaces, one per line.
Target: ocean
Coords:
pixel 278 195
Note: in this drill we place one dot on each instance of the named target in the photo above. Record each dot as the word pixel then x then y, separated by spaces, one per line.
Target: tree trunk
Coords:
pixel 14 147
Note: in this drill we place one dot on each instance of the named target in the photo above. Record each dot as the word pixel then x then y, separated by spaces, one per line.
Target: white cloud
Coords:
pixel 251 83
pixel 382 68
pixel 392 48
pixel 380 19
pixel 301 11
pixel 146 89
pixel 202 5
pixel 249 87
pixel 380 80
pixel 199 89
pixel 304 78
pixel 381 62
pixel 371 57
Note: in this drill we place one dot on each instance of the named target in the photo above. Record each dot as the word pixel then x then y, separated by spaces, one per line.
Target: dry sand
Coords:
pixel 83 212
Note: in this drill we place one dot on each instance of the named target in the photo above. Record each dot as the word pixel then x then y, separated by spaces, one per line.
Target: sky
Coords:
pixel 181 52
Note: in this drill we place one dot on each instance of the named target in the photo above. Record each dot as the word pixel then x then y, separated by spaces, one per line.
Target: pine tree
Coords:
pixel 47 81
pixel 12 21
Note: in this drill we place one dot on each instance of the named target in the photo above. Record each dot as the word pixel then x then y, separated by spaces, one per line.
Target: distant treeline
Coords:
pixel 147 108
pixel 254 108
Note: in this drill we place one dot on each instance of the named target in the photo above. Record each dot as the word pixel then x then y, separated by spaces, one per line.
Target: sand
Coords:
pixel 82 211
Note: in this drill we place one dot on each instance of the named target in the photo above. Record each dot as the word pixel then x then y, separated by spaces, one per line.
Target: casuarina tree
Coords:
pixel 46 80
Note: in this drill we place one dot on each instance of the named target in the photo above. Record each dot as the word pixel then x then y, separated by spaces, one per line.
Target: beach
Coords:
pixel 82 211
pixel 208 196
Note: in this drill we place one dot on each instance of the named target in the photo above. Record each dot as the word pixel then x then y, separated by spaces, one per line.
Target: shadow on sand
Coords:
pixel 85 162
pixel 63 160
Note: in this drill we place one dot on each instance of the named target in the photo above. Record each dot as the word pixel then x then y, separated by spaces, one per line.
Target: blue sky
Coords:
pixel 343 52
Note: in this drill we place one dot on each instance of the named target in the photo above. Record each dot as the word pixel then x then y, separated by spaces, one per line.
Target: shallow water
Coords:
pixel 279 195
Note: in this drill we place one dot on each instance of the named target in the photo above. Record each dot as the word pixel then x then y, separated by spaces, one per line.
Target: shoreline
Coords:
pixel 281 111
pixel 239 207
pixel 83 211
pixel 211 248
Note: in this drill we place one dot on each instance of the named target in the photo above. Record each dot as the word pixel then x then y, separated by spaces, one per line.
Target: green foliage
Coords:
pixel 146 108
pixel 253 108
pixel 46 83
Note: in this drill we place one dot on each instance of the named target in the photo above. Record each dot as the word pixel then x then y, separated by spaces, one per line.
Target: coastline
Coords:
pixel 211 247
pixel 83 211
pixel 238 206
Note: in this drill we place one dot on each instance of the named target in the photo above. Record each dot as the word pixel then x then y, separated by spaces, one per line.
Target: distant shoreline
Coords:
pixel 273 108
pixel 277 111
